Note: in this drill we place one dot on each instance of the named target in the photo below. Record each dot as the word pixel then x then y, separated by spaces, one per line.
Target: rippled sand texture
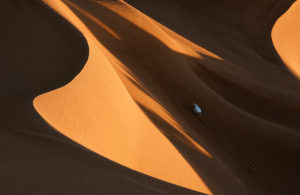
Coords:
pixel 112 85
pixel 41 51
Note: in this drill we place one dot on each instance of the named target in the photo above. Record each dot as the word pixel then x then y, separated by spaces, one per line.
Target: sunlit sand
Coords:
pixel 149 97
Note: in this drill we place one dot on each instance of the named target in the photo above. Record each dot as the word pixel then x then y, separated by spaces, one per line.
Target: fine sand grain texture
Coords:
pixel 96 110
pixel 97 97
pixel 41 51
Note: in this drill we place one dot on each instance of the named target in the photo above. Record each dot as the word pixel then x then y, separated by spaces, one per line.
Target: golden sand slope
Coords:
pixel 132 101
pixel 41 51
pixel 96 110
pixel 286 38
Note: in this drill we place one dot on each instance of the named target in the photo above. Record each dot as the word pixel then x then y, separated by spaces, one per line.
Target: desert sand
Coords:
pixel 97 97
pixel 285 35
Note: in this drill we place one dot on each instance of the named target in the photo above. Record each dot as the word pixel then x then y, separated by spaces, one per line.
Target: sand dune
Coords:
pixel 285 36
pixel 124 124
pixel 40 52
pixel 96 110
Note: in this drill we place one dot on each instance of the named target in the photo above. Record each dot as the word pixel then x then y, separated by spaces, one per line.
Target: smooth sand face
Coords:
pixel 285 35
pixel 132 102
pixel 96 110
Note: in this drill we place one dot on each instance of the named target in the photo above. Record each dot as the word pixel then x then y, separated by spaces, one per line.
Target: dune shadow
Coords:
pixel 32 60
pixel 40 51
pixel 254 19
pixel 243 114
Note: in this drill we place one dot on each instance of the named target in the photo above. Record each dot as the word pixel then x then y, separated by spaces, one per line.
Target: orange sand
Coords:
pixel 96 110
pixel 148 62
pixel 286 39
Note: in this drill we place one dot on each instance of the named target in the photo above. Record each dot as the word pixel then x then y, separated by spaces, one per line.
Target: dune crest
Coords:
pixel 96 110
pixel 285 36
pixel 149 61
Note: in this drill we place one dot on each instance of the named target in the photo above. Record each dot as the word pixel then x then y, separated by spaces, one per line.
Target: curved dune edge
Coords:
pixel 285 36
pixel 96 110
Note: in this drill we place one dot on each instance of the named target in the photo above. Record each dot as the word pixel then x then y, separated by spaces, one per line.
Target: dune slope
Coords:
pixel 41 51
pixel 96 110
pixel 118 97
pixel 285 36
pixel 217 54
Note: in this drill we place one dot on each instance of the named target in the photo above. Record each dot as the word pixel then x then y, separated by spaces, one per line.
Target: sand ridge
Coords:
pixel 286 40
pixel 96 110
pixel 124 124
pixel 41 52
pixel 165 73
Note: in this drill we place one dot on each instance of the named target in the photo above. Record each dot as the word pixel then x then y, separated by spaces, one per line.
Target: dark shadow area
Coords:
pixel 39 52
pixel 239 123
pixel 255 100
pixel 253 18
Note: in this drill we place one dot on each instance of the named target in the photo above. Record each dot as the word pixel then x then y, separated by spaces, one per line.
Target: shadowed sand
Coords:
pixel 145 64
pixel 96 110
pixel 41 51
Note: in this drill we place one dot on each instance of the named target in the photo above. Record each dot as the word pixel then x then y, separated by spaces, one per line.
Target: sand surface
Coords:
pixel 97 97
pixel 285 36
